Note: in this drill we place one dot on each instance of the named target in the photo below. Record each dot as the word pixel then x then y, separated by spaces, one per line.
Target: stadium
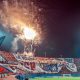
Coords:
pixel 39 40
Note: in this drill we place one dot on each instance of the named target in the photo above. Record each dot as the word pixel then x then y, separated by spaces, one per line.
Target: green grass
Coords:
pixel 58 78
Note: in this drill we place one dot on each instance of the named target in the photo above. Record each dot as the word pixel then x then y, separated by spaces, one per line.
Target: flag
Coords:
pixel 2 39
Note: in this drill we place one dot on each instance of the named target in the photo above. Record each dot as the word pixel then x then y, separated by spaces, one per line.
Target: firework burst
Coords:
pixel 15 15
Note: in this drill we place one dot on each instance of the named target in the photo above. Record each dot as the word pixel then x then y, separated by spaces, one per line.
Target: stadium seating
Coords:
pixel 8 56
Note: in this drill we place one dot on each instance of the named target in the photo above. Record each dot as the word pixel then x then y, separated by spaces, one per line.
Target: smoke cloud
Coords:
pixel 15 44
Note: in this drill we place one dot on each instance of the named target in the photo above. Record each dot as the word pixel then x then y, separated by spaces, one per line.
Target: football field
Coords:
pixel 58 78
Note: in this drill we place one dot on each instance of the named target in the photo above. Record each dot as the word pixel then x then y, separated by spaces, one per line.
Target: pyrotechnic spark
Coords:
pixel 29 54
pixel 29 33
pixel 15 15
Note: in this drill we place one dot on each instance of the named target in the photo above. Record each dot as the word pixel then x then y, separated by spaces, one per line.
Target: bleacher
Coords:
pixel 9 57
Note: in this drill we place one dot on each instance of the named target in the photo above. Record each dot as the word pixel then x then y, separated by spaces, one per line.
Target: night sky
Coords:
pixel 62 22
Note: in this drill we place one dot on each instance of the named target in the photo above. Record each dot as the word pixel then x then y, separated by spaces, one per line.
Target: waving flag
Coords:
pixel 2 39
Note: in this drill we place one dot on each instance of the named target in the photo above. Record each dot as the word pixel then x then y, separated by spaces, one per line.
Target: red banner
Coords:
pixel 30 65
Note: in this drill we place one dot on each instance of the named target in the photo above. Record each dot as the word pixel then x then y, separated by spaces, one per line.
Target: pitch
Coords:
pixel 58 78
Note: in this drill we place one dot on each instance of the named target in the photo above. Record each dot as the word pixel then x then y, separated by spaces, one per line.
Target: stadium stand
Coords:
pixel 7 57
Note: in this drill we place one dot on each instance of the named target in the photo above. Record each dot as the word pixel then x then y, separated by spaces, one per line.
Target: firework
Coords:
pixel 15 15
pixel 21 16
pixel 29 33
